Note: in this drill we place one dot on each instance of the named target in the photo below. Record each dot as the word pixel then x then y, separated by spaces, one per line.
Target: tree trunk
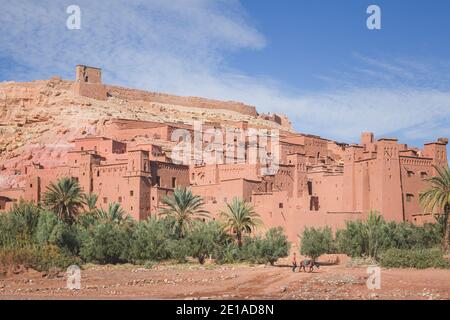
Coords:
pixel 180 230
pixel 239 239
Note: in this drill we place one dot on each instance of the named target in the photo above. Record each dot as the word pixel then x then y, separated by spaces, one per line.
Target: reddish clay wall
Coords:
pixel 134 94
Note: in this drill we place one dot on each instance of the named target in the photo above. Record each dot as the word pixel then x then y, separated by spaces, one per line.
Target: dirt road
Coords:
pixel 191 281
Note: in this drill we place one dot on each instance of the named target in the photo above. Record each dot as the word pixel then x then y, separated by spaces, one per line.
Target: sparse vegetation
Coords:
pixel 268 249
pixel 207 239
pixel 69 228
pixel 414 258
pixel 369 238
pixel 104 243
pixel 316 241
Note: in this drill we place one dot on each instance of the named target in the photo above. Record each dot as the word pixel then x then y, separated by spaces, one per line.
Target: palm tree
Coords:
pixel 91 201
pixel 240 217
pixel 114 214
pixel 65 198
pixel 24 217
pixel 185 208
pixel 89 216
pixel 437 197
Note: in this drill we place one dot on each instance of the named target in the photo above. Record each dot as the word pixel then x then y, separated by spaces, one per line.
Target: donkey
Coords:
pixel 310 264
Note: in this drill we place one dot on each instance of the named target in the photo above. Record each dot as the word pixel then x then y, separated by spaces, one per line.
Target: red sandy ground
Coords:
pixel 192 281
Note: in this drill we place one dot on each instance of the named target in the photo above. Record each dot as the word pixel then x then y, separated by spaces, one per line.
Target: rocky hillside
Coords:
pixel 39 119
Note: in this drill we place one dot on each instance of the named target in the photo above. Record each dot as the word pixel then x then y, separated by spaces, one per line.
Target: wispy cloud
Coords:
pixel 180 46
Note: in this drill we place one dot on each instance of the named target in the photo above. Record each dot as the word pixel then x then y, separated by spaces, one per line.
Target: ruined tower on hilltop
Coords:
pixel 88 83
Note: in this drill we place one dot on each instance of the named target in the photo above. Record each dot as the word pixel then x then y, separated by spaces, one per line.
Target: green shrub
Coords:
pixel 46 223
pixel 18 226
pixel 416 258
pixel 268 249
pixel 178 249
pixel 207 239
pixel 358 236
pixel 51 230
pixel 149 240
pixel 405 235
pixel 230 254
pixel 87 219
pixel 40 258
pixel 352 240
pixel 315 242
pixel 47 257
pixel 105 243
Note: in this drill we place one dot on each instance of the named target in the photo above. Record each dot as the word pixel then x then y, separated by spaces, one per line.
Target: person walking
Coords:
pixel 294 262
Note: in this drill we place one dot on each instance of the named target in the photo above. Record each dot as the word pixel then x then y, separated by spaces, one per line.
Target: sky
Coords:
pixel 313 60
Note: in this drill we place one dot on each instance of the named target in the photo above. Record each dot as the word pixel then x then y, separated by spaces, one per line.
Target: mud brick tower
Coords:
pixel 88 83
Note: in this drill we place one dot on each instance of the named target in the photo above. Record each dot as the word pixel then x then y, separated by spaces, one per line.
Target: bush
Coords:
pixel 367 239
pixel 268 249
pixel 40 258
pixel 417 258
pixel 230 254
pixel 352 240
pixel 149 240
pixel 315 242
pixel 207 239
pixel 178 249
pixel 105 243
pixel 17 227
pixel 51 230
pixel 405 235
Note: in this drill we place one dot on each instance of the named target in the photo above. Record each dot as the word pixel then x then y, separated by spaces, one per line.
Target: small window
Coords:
pixel 280 205
pixel 120 199
pixel 410 173
pixel 314 204
pixel 174 182
pixel 310 188
pixel 423 175
pixel 82 148
pixel 105 200
pixel 131 193
pixel 98 173
pixel 409 197
pixel 31 185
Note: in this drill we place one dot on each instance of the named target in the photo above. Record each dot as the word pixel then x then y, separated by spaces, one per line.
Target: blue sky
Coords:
pixel 314 60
